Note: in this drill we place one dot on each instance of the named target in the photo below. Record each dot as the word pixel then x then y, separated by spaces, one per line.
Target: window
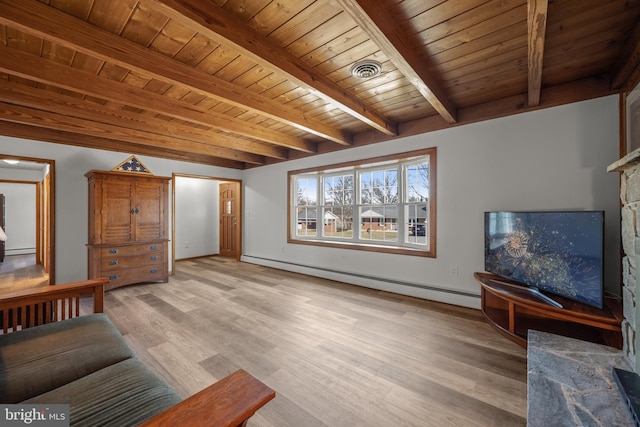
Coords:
pixel 383 204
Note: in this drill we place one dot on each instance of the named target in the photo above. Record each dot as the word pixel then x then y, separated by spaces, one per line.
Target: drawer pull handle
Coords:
pixel 113 251
pixel 154 258
pixel 155 270
pixel 153 247
pixel 113 277
pixel 114 262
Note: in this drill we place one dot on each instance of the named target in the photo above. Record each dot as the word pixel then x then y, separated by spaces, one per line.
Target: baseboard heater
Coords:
pixel 368 277
pixel 19 251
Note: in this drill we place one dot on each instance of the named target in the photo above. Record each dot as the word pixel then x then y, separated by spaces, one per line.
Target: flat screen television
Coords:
pixel 561 253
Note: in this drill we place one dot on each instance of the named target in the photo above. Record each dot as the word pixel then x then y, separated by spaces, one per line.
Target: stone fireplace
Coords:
pixel 629 166
pixel 570 382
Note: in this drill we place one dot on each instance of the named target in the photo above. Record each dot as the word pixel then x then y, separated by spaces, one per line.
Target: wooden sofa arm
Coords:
pixel 45 304
pixel 229 402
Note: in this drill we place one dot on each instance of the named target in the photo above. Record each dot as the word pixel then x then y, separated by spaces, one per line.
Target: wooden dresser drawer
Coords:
pixel 118 262
pixel 126 276
pixel 132 249
pixel 129 263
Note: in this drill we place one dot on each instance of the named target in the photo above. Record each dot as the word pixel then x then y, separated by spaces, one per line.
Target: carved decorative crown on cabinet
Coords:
pixel 128 227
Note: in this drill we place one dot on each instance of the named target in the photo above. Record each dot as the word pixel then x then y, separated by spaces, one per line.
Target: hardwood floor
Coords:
pixel 336 354
pixel 20 272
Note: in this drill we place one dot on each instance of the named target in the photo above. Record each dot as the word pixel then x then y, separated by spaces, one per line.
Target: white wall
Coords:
pixel 548 159
pixel 197 215
pixel 544 160
pixel 71 163
pixel 20 217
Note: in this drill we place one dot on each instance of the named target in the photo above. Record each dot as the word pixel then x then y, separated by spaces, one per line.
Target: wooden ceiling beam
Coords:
pixel 39 19
pixel 626 72
pixel 46 119
pixel 536 32
pixel 27 96
pixel 17 130
pixel 18 63
pixel 384 31
pixel 222 26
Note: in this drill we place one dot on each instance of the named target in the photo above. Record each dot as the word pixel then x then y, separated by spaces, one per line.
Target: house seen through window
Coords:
pixel 382 204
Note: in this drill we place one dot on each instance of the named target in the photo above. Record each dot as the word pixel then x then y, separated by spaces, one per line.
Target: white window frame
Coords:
pixel 403 239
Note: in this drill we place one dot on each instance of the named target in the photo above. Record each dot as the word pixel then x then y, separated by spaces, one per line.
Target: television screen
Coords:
pixel 557 252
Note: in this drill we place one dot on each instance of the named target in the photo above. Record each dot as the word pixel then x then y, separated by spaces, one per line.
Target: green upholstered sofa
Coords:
pixel 50 353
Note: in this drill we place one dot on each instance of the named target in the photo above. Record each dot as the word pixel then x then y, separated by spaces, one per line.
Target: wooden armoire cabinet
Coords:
pixel 128 227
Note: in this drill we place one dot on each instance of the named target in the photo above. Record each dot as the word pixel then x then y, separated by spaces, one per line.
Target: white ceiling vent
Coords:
pixel 366 69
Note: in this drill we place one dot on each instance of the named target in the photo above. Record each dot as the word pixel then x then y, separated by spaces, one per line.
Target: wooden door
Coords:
pixel 230 220
pixel 149 209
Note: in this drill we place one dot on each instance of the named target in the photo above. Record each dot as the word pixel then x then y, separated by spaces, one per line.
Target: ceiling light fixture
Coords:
pixel 11 161
pixel 366 69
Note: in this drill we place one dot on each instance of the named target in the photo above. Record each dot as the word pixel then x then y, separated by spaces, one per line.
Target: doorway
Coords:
pixel 30 267
pixel 199 217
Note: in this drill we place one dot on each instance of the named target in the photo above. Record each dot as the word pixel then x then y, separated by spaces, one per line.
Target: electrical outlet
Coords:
pixel 186 244
pixel 454 271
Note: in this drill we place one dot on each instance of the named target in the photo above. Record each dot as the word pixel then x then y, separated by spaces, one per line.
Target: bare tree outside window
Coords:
pixel 418 182
pixel 379 187
pixel 338 201
pixel 306 189
pixel 417 203
pixel 378 200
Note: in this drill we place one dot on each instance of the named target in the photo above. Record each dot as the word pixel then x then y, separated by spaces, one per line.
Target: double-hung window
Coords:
pixel 383 204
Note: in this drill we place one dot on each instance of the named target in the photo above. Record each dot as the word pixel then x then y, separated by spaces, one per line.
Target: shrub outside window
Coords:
pixel 381 204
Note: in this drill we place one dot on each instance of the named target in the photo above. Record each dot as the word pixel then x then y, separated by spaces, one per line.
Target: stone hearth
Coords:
pixel 570 383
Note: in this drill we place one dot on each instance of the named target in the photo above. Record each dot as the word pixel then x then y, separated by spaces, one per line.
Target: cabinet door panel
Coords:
pixel 149 210
pixel 117 218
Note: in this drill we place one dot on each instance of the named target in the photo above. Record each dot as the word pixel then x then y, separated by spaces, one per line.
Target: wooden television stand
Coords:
pixel 513 309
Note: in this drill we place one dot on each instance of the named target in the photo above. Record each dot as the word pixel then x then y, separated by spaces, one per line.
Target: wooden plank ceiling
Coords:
pixel 245 83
